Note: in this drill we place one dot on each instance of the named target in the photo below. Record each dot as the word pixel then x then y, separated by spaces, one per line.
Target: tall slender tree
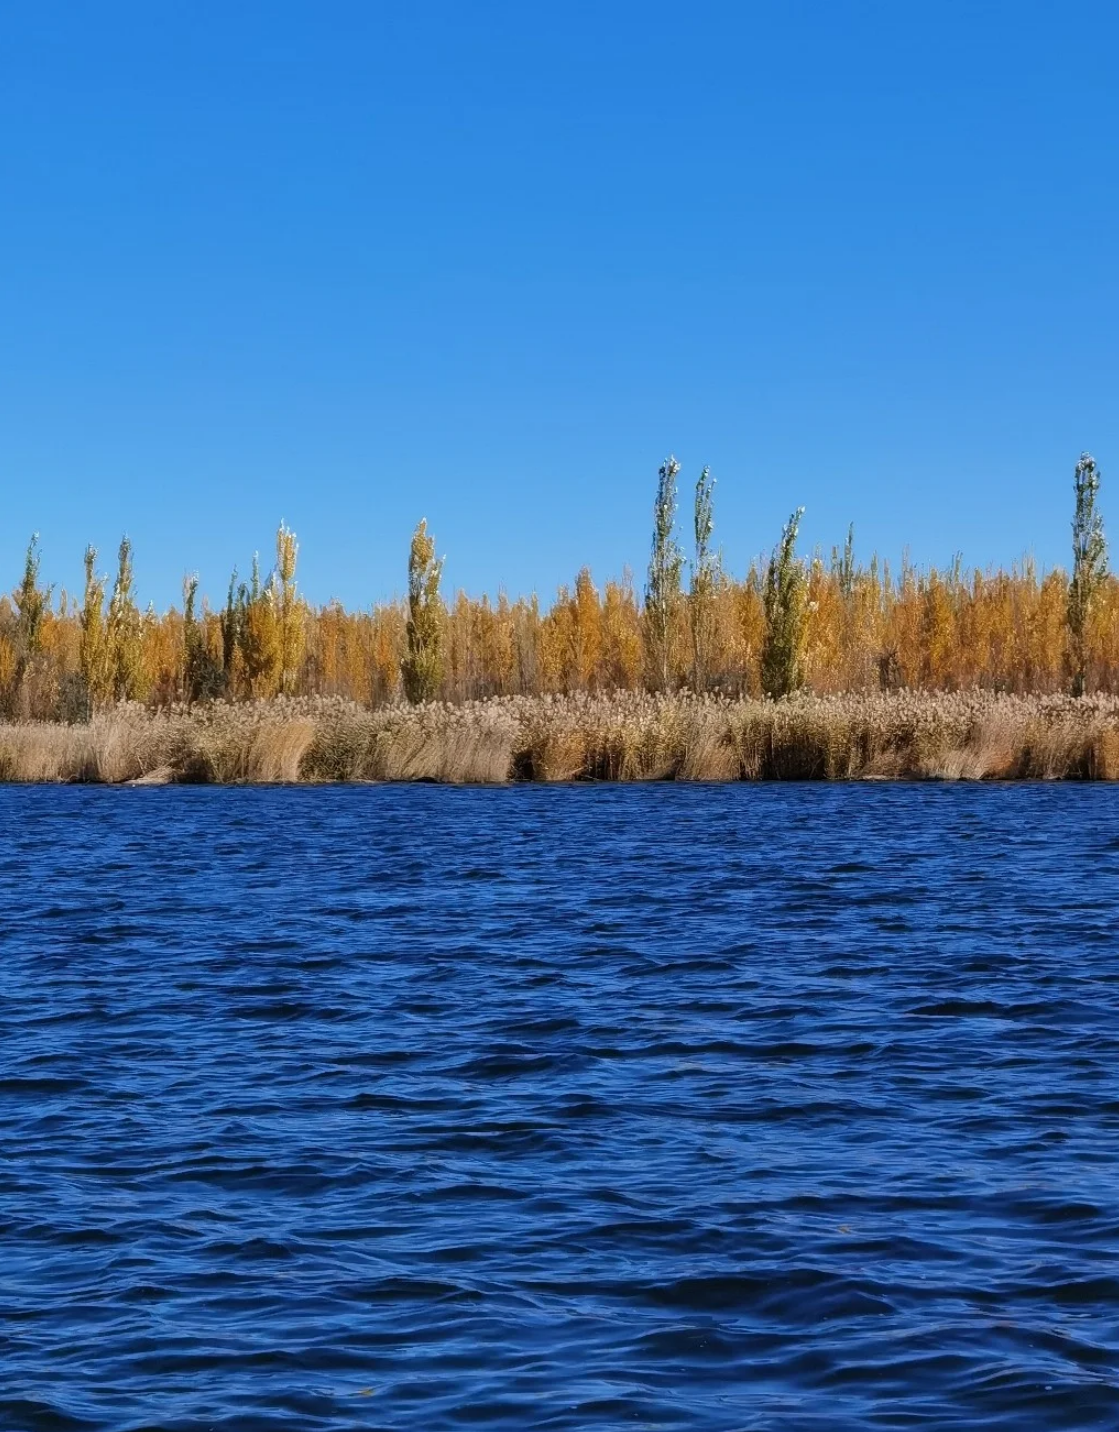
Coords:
pixel 258 635
pixel 31 603
pixel 1089 568
pixel 706 575
pixel 94 650
pixel 203 672
pixel 785 611
pixel 662 590
pixel 289 610
pixel 843 564
pixel 231 632
pixel 422 668
pixel 124 632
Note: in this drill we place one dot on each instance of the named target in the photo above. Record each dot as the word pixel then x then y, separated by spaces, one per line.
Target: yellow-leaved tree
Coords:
pixel 422 668
pixel 291 634
pixel 258 636
pixel 124 633
pixel 94 650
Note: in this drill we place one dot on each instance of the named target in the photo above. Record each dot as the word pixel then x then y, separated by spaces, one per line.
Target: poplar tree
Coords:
pixel 93 649
pixel 586 632
pixel 289 610
pixel 1089 567
pixel 705 580
pixel 31 602
pixel 193 645
pixel 124 632
pixel 422 668
pixel 258 635
pixel 662 591
pixel 843 564
pixel 231 631
pixel 784 597
pixel 203 674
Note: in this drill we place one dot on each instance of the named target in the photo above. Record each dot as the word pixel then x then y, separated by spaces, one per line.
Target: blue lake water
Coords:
pixel 666 1107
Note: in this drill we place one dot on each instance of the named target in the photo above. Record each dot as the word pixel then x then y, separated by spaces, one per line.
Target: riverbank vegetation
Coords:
pixel 973 735
pixel 824 625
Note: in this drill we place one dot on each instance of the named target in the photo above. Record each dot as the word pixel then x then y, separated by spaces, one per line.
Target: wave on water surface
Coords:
pixel 675 1107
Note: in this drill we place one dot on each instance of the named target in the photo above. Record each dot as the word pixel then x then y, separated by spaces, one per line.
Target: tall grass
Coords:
pixel 626 737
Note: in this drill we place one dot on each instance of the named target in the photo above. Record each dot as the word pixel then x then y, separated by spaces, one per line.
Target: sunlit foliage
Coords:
pixel 827 625
pixel 785 613
pixel 422 667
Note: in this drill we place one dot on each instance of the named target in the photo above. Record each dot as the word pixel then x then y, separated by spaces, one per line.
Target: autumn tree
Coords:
pixel 290 630
pixel 124 632
pixel 586 633
pixel 94 649
pixel 257 632
pixel 203 676
pixel 31 604
pixel 422 668
pixel 621 636
pixel 782 663
pixel 231 632
pixel 843 565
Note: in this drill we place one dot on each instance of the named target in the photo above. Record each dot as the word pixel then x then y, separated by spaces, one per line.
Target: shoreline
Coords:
pixel 972 735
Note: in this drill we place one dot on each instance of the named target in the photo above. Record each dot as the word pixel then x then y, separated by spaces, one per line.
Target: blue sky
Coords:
pixel 353 264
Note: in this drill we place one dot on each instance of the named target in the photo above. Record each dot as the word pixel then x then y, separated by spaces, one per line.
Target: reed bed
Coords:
pixel 630 736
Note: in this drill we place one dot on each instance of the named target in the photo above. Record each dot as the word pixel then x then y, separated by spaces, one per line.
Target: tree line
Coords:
pixel 828 624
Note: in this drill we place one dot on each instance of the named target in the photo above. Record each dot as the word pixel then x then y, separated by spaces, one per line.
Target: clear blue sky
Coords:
pixel 350 264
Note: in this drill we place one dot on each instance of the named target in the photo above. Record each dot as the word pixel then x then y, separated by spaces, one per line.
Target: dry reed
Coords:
pixel 631 736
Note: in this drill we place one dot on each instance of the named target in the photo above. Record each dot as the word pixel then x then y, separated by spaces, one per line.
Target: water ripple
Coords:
pixel 701 1108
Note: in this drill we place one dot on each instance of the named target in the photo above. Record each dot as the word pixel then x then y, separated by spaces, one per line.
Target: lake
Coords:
pixel 663 1106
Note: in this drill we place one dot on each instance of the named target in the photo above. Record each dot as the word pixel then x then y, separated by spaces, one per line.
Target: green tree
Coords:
pixel 258 635
pixel 784 597
pixel 124 632
pixel 843 564
pixel 662 590
pixel 93 651
pixel 31 603
pixel 422 668
pixel 706 576
pixel 231 631
pixel 1089 567
pixel 203 675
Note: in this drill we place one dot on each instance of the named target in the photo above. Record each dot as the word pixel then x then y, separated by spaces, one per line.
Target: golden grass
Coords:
pixel 264 753
pixel 630 736
pixel 110 749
